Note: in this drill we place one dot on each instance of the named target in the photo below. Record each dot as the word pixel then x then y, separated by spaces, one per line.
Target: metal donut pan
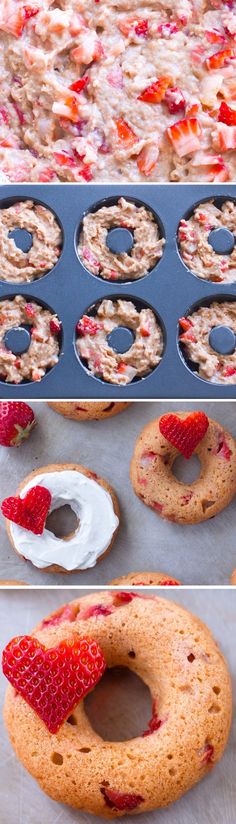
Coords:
pixel 69 289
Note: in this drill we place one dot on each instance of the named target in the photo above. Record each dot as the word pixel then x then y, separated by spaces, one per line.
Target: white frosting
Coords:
pixel 97 522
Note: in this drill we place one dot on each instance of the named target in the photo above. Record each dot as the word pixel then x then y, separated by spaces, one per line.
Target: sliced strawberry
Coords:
pixel 53 681
pixel 185 323
pixel 184 434
pixel 175 100
pixel 16 422
pixel 125 133
pixel 226 114
pixel 219 59
pixel 87 326
pixel 80 84
pixel 156 91
pixel 147 159
pixel 185 136
pixel 224 137
pixel 29 512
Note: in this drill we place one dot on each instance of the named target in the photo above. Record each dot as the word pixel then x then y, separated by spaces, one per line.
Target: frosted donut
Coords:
pixel 154 482
pixel 43 351
pixel 195 249
pixel 96 507
pixel 17 266
pixel 147 245
pixel 90 410
pixel 233 578
pixel 146 579
pixel 174 653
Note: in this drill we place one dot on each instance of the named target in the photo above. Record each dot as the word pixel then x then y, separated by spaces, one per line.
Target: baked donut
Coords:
pixel 174 653
pixel 154 456
pixel 147 245
pixel 146 579
pixel 13 584
pixel 43 351
pixel 195 249
pixel 100 357
pixel 88 410
pixel 233 578
pixel 94 503
pixel 209 364
pixel 17 266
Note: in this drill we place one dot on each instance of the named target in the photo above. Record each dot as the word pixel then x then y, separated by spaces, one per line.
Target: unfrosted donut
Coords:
pixel 174 653
pixel 154 482
pixel 88 410
pixel 144 579
pixel 94 503
pixel 233 578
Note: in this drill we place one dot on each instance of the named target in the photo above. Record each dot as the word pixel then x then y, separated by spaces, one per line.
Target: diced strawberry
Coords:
pixel 147 159
pixel 117 800
pixel 224 137
pixel 88 255
pixel 141 29
pixel 87 326
pixel 226 114
pixel 175 100
pixel 170 582
pixel 184 136
pixel 187 336
pixel 167 29
pixel 144 331
pixel 185 323
pixel 228 371
pixel 80 84
pixel 86 173
pixel 4 115
pixel 55 326
pixel 125 133
pixel 214 36
pixel 64 159
pixel 29 310
pixel 156 91
pixel 46 175
pixel 17 20
pixel 121 368
pixel 219 59
pixel 138 25
pixel 208 754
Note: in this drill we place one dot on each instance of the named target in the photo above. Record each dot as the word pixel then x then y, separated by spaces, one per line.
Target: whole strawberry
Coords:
pixel 16 421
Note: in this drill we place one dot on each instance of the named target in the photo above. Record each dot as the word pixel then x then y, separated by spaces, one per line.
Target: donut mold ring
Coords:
pixel 154 482
pixel 98 258
pixel 174 653
pixel 96 506
pixel 195 248
pixel 17 266
pixel 233 578
pixel 43 351
pixel 211 366
pixel 88 410
pixel 102 359
pixel 146 579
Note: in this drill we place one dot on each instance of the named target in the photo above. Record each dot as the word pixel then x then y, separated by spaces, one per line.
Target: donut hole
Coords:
pixel 119 240
pixel 63 522
pixel 120 706
pixel 186 471
pixel 121 339
pixel 17 340
pixel 22 239
pixel 222 241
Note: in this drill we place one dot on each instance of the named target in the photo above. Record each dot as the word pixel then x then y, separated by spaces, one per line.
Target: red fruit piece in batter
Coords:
pixel 121 801
pixel 94 611
pixel 226 114
pixel 156 91
pixel 223 450
pixel 121 598
pixel 219 59
pixel 29 512
pixel 29 310
pixel 208 754
pixel 154 724
pixel 175 100
pixel 185 434
pixel 52 681
pixel 64 614
pixel 55 326
pixel 87 326
pixel 169 583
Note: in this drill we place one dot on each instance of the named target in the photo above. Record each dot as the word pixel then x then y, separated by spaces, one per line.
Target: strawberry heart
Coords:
pixel 185 434
pixel 53 681
pixel 29 512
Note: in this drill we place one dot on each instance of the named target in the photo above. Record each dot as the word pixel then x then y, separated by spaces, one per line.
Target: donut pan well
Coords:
pixel 170 289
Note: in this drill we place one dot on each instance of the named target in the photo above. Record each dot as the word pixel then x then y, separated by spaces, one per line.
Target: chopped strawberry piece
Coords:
pixel 16 422
pixel 141 29
pixel 219 59
pixel 17 20
pixel 64 159
pixel 156 91
pixel 86 173
pixel 95 611
pixel 121 801
pixel 29 310
pixel 88 255
pixel 144 331
pixel 215 36
pixel 184 136
pixel 187 336
pixel 175 100
pixel 53 681
pixel 185 323
pixel 134 24
pixel 224 137
pixel 228 371
pixel 87 326
pixel 4 115
pixel 147 159
pixel 121 598
pixel 154 724
pixel 121 368
pixel 46 175
pixel 208 754
pixel 167 29
pixel 170 582
pixel 55 326
pixel 226 114
pixel 29 512
pixel 125 133
pixel 184 434
pixel 80 84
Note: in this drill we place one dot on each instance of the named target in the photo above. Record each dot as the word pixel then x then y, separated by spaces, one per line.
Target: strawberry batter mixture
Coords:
pixel 102 360
pixel 98 258
pixel 43 351
pixel 118 90
pixel 17 266
pixel 212 366
pixel 195 249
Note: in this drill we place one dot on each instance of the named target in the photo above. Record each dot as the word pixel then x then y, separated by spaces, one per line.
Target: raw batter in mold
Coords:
pixel 43 351
pixel 102 360
pixel 197 252
pixel 212 366
pixel 118 90
pixel 17 266
pixel 146 250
